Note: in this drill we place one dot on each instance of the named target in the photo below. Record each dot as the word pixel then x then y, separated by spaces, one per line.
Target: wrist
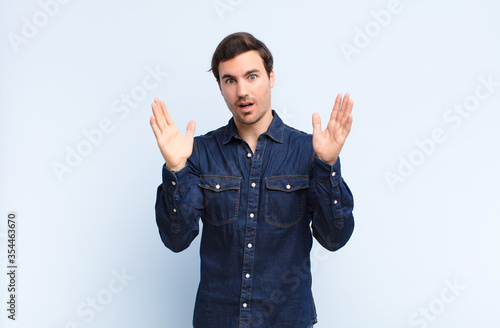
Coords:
pixel 328 160
pixel 175 168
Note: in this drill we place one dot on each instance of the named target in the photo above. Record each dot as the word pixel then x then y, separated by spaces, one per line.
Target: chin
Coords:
pixel 245 120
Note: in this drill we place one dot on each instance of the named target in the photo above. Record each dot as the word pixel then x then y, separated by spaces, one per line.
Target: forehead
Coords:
pixel 242 63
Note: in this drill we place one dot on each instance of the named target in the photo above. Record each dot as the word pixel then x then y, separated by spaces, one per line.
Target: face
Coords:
pixel 246 88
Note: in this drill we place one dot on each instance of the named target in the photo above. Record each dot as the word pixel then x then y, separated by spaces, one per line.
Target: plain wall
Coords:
pixel 420 159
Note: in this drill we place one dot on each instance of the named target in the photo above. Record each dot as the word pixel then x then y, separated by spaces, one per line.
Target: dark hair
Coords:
pixel 236 44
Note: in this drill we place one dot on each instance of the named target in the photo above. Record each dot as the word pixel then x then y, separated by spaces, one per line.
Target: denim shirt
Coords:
pixel 259 212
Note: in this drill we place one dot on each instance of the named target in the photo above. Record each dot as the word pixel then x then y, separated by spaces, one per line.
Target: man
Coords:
pixel 259 186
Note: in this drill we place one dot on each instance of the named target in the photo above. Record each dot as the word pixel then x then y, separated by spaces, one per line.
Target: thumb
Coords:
pixel 190 129
pixel 316 122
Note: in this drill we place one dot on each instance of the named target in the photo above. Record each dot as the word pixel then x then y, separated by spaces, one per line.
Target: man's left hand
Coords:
pixel 327 144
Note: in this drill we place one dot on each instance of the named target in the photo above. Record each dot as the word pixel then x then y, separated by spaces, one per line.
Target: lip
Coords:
pixel 245 109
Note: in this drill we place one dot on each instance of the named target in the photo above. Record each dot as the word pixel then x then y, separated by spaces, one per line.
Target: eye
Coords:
pixel 252 77
pixel 230 81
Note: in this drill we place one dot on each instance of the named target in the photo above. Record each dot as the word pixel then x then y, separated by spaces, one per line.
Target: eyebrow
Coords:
pixel 225 76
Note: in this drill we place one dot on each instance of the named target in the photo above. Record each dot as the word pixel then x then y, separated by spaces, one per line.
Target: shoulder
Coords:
pixel 212 134
pixel 299 141
pixel 291 132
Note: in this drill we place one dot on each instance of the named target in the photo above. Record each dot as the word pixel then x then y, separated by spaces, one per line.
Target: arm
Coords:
pixel 176 197
pixel 178 204
pixel 333 222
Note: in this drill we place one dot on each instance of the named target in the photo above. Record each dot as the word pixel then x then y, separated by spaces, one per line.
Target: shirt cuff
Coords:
pixel 172 180
pixel 326 171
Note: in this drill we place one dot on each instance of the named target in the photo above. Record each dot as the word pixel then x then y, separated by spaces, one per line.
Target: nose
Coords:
pixel 242 89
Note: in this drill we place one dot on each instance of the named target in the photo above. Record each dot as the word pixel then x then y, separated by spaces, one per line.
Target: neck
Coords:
pixel 251 132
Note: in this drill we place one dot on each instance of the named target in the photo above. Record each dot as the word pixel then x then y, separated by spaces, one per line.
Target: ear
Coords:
pixel 271 78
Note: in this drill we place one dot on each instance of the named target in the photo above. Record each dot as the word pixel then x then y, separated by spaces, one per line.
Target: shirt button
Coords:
pixel 249 155
pixel 253 184
pixel 251 215
pixel 173 183
pixel 217 186
pixel 333 174
pixel 249 245
pixel 245 305
pixel 247 276
pixel 175 210
pixel 335 201
pixel 288 186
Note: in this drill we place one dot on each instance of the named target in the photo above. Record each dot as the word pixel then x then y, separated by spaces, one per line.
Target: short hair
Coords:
pixel 236 44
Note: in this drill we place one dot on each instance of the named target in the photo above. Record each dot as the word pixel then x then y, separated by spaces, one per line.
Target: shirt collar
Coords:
pixel 275 130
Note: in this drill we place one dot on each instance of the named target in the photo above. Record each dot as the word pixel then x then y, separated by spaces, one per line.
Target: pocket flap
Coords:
pixel 219 183
pixel 287 183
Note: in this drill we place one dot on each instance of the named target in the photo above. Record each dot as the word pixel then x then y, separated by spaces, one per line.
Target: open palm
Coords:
pixel 327 144
pixel 174 147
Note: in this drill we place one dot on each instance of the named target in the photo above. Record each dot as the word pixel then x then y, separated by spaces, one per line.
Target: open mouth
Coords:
pixel 245 104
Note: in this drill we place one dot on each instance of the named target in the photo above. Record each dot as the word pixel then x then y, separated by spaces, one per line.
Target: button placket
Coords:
pixel 255 163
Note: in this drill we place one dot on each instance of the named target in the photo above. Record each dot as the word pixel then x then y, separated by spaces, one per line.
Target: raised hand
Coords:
pixel 327 144
pixel 174 147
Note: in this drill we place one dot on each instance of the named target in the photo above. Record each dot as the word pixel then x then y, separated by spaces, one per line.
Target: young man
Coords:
pixel 259 187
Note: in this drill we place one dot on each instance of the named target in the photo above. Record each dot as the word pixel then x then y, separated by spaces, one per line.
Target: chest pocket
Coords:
pixel 286 199
pixel 221 198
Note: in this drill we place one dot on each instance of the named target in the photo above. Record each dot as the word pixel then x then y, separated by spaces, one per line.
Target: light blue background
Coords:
pixel 439 226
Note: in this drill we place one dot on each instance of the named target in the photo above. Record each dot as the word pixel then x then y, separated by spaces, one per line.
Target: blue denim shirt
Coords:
pixel 259 212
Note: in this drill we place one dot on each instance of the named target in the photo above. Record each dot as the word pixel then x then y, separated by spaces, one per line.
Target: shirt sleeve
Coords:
pixel 178 206
pixel 332 221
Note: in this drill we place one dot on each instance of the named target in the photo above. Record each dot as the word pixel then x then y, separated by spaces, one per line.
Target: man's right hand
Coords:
pixel 174 147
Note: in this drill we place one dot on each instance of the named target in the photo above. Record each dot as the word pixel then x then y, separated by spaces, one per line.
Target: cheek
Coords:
pixel 228 98
pixel 265 92
pixel 260 91
pixel 226 93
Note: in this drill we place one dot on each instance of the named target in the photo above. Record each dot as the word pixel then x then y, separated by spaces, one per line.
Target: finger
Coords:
pixel 165 112
pixel 316 122
pixel 154 126
pixel 347 113
pixel 343 108
pixel 158 114
pixel 336 107
pixel 190 129
pixel 348 124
